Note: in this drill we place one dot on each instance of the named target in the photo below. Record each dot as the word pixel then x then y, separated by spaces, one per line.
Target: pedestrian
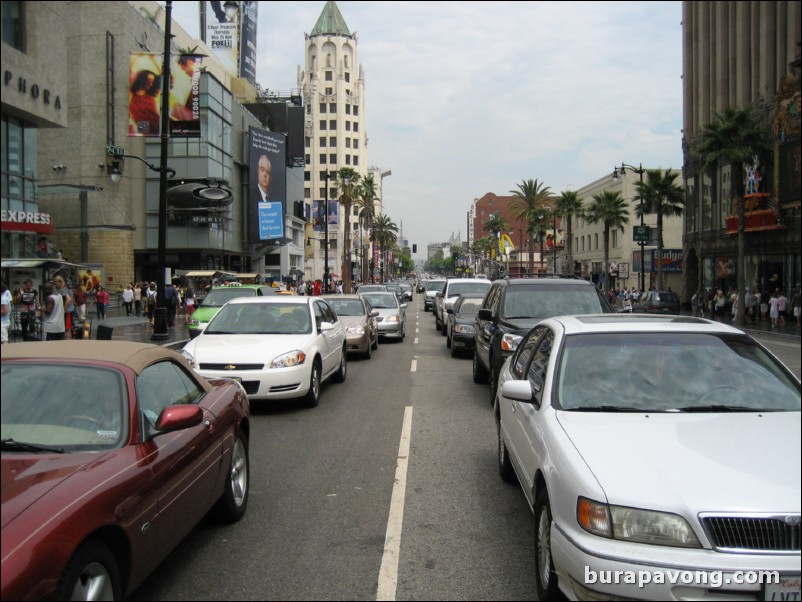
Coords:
pixel 782 307
pixel 189 303
pixel 749 306
pixel 171 301
pixel 138 299
pixel 53 314
pixel 150 302
pixel 796 303
pixel 69 306
pixel 28 300
pixel 128 299
pixel 719 305
pixel 764 304
pixel 774 308
pixel 79 295
pixel 5 312
pixel 318 286
pixel 101 302
pixel 301 288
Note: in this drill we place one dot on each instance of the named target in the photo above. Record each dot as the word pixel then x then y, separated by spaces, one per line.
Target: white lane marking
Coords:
pixel 416 340
pixel 414 366
pixel 388 573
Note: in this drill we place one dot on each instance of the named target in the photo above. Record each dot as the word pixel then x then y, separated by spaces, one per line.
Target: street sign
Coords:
pixel 115 151
pixel 641 233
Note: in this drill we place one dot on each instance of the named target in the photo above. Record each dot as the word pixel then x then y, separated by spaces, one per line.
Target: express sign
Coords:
pixel 27 221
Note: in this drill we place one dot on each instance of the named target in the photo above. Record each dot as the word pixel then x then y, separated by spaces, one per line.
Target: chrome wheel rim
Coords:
pixel 544 547
pixel 239 473
pixel 94 583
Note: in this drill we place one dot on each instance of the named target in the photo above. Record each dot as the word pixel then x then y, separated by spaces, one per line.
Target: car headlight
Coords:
pixel 635 525
pixel 188 356
pixel 288 360
pixel 359 330
pixel 463 328
pixel 509 342
pixel 392 319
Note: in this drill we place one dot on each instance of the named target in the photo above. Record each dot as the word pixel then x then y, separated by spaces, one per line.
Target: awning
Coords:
pixel 254 275
pixel 207 274
pixel 38 263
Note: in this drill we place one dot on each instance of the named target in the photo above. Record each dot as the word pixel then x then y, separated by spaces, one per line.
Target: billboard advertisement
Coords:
pixel 267 162
pixel 247 42
pixel 672 261
pixel 145 89
pixel 318 209
pixel 222 27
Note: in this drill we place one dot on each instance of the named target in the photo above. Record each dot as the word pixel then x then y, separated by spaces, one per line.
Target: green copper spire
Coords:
pixel 331 22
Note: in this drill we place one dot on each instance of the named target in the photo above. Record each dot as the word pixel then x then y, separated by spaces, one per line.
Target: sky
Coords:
pixel 466 98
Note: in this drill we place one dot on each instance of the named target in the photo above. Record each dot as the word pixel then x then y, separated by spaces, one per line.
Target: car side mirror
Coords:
pixel 326 326
pixel 374 312
pixel 520 390
pixel 485 314
pixel 438 294
pixel 403 306
pixel 450 311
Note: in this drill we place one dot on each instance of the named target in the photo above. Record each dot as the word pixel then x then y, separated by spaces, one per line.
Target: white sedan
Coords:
pixel 280 347
pixel 660 457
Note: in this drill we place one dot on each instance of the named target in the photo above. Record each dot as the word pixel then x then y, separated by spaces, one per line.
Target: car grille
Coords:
pixel 232 367
pixel 284 388
pixel 769 534
pixel 251 386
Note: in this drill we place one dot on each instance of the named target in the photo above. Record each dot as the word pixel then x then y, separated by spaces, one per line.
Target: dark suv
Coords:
pixel 510 309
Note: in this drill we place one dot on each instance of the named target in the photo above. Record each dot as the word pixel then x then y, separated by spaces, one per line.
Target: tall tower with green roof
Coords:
pixel 333 84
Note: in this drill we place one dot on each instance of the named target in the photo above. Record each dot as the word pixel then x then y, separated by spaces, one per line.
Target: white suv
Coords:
pixel 432 288
pixel 454 288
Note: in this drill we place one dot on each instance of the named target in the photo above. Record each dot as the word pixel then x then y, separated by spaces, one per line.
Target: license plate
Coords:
pixel 236 378
pixel 788 588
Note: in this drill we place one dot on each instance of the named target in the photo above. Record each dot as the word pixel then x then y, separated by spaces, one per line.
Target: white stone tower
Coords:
pixel 333 85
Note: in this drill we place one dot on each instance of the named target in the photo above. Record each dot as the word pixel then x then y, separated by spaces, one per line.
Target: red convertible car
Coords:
pixel 112 452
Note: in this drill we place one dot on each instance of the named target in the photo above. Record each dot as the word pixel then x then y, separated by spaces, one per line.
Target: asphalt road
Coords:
pixel 322 484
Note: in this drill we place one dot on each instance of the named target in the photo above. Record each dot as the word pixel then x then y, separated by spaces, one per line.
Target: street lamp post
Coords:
pixel 620 171
pixel 326 176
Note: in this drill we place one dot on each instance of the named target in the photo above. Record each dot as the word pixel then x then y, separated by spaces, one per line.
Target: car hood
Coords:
pixel 248 348
pixel 692 463
pixel 28 477
pixel 204 314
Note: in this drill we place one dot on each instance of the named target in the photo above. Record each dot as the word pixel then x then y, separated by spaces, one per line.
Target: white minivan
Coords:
pixel 454 288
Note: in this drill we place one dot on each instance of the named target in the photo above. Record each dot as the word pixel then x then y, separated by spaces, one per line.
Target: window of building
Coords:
pixel 348 159
pixel 307 176
pixel 333 124
pixel 322 157
pixel 596 236
pixel 307 193
pixel 356 142
pixel 322 124
pixel 307 141
pixel 329 76
pixel 322 107
pixel 329 91
pixel 332 107
pixel 347 126
pixel 322 192
pixel 691 206
pixel 347 143
pixel 356 110
pixel 356 126
pixel 322 141
pixel 347 109
pixel 333 159
pixel 333 141
pixel 307 159
pixel 13 25
pixel 614 239
pixel 356 160
pixel 347 77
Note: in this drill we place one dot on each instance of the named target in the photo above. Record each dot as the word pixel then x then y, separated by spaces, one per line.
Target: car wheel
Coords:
pixel 505 469
pixel 448 341
pixel 545 577
pixel 312 398
pixel 375 344
pixel 493 377
pixel 369 351
pixel 342 371
pixel 479 371
pixel 232 504
pixel 91 574
pixel 443 330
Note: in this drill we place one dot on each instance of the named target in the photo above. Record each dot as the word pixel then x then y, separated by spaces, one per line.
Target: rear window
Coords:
pixel 218 297
pixel 461 288
pixel 667 297
pixel 435 285
pixel 539 301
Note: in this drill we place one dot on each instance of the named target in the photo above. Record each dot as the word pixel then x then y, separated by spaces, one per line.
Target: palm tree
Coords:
pixel 661 195
pixel 348 180
pixel 610 209
pixel 385 232
pixel 527 207
pixel 495 225
pixel 365 199
pixel 482 248
pixel 569 205
pixel 737 137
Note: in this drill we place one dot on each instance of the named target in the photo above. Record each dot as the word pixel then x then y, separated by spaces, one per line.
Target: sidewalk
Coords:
pixel 138 330
pixel 790 329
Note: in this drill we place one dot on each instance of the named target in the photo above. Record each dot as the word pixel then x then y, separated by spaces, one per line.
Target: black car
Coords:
pixel 460 323
pixel 513 306
pixel 657 302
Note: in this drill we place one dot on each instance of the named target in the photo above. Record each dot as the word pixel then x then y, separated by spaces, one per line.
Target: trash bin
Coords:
pixel 104 332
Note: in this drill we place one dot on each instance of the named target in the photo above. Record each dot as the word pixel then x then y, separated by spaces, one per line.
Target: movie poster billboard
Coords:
pixel 222 28
pixel 247 42
pixel 145 89
pixel 267 163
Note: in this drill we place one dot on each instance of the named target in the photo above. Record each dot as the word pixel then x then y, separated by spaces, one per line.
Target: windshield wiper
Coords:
pixel 608 409
pixel 11 445
pixel 220 332
pixel 722 408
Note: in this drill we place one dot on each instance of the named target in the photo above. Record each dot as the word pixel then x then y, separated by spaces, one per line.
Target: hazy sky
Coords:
pixel 465 98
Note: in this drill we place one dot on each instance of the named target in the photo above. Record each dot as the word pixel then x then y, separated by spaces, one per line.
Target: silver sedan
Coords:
pixel 392 314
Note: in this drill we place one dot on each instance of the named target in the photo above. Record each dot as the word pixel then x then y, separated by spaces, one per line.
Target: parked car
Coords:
pixel 460 323
pixel 659 302
pixel 219 296
pixel 359 319
pixel 421 286
pixel 653 445
pixel 280 347
pixel 372 288
pixel 454 288
pixel 512 306
pixel 111 453
pixel 432 288
pixel 406 291
pixel 392 314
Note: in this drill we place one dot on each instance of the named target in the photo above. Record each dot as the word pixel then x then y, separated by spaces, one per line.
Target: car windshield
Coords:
pixel 347 307
pixel 536 302
pixel 61 407
pixel 460 288
pixel 470 306
pixel 435 285
pixel 382 301
pixel 671 372
pixel 261 318
pixel 218 297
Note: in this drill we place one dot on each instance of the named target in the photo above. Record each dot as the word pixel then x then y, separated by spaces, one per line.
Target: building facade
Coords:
pixel 743 54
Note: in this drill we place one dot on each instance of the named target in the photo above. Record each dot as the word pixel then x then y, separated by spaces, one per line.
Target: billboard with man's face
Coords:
pixel 267 162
